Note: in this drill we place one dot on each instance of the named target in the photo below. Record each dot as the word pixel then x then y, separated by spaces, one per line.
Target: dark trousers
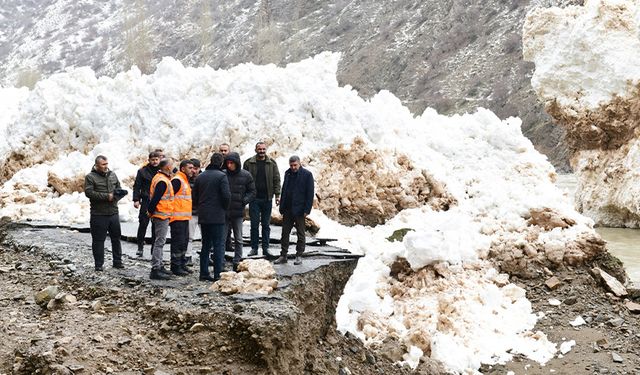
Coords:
pixel 100 226
pixel 260 214
pixel 213 236
pixel 179 243
pixel 143 223
pixel 288 222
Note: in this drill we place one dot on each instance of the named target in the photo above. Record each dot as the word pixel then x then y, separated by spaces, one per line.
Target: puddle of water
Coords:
pixel 621 242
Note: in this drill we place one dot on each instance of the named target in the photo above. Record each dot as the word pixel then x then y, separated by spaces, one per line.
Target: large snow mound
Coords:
pixel 485 171
pixel 588 74
pixel 584 55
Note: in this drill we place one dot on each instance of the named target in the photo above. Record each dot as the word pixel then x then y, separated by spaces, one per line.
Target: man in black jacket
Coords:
pixel 193 223
pixel 141 197
pixel 99 187
pixel 243 191
pixel 211 195
pixel 295 204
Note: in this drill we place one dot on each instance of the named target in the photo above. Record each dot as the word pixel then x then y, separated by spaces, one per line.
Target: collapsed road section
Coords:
pixel 62 317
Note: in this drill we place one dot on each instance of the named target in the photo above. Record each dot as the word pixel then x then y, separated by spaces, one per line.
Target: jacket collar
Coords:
pixel 94 170
pixel 254 159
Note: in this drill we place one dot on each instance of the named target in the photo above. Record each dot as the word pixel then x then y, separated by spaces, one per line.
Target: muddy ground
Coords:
pixel 121 322
pixel 608 342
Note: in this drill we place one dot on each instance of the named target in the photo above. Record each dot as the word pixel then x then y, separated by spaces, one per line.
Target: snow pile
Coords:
pixel 584 55
pixel 472 181
pixel 592 88
pixel 439 310
pixel 253 276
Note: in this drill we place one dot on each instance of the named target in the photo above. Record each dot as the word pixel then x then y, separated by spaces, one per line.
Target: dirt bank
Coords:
pixel 121 322
pixel 609 340
pixel 118 321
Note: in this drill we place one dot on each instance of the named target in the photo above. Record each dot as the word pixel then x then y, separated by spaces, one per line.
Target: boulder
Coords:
pixel 609 282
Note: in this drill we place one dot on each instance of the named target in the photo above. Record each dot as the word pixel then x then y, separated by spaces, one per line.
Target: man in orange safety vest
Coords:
pixel 160 210
pixel 179 222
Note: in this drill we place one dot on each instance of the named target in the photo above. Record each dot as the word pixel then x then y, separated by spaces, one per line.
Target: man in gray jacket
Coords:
pixel 266 177
pixel 102 188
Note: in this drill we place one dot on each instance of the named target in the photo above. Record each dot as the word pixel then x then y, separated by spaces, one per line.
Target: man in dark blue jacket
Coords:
pixel 211 195
pixel 296 201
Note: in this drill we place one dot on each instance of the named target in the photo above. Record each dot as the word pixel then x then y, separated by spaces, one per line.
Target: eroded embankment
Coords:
pixel 119 321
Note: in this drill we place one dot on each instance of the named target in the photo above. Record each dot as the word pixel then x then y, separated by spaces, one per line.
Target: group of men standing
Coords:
pixel 177 200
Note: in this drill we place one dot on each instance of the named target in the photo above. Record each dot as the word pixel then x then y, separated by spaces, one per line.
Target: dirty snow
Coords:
pixel 486 163
pixel 584 55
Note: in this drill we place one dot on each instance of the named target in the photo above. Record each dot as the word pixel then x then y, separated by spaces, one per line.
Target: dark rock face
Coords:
pixel 453 55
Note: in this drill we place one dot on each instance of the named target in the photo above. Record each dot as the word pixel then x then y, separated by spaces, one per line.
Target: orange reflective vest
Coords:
pixel 182 203
pixel 164 209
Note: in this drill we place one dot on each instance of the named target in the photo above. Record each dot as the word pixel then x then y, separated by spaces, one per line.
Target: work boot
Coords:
pixel 118 265
pixel 165 271
pixel 282 259
pixel 206 278
pixel 188 261
pixel 140 251
pixel 187 270
pixel 157 274
pixel 99 268
pixel 178 271
pixel 298 260
pixel 267 255
pixel 253 252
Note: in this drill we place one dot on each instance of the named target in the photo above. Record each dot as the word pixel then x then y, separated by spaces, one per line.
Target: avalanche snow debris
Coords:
pixel 592 89
pixel 467 186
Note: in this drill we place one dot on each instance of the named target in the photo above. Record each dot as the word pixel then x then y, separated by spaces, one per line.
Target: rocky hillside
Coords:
pixel 454 55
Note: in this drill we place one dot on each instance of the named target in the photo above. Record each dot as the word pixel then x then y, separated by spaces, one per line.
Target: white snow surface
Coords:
pixel 486 163
pixel 566 346
pixel 584 54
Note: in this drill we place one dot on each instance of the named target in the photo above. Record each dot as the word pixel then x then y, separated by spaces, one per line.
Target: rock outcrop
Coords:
pixel 592 90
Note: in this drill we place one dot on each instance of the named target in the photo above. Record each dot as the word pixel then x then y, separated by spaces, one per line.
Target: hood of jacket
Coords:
pixel 235 158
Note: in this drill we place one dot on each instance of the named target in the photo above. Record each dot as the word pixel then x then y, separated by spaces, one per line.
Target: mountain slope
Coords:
pixel 450 55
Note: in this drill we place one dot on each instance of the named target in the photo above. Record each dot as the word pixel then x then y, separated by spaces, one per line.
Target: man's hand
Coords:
pixel 277 201
pixel 136 204
pixel 110 197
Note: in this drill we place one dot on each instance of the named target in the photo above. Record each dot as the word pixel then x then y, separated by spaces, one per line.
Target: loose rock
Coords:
pixel 633 307
pixel 552 283
pixel 45 295
pixel 616 357
pixel 616 322
pixel 610 282
pixel 198 327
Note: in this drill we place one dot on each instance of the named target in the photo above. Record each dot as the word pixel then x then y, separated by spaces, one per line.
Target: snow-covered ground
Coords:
pixel 456 308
